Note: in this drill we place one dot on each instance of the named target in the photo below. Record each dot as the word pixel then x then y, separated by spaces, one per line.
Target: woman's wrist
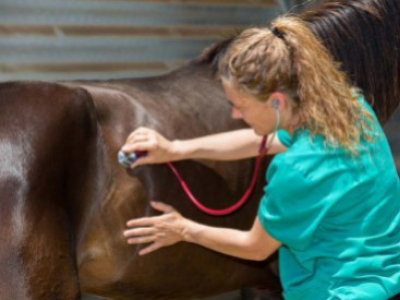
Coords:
pixel 188 230
pixel 180 150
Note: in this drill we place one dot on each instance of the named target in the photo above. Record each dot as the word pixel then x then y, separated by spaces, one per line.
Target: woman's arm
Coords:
pixel 171 227
pixel 232 145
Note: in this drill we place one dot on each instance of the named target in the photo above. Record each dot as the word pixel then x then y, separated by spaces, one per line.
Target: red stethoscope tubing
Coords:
pixel 235 206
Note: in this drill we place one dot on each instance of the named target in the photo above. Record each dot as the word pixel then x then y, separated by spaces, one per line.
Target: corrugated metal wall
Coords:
pixel 69 39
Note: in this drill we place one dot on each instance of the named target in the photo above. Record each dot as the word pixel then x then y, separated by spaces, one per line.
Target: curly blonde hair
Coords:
pixel 292 60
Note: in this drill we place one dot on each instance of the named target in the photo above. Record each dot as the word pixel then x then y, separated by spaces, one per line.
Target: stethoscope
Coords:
pixel 127 159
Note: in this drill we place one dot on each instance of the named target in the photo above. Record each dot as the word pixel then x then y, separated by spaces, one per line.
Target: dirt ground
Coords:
pixel 235 295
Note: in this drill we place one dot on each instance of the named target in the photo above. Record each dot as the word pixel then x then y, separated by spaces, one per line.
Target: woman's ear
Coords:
pixel 277 100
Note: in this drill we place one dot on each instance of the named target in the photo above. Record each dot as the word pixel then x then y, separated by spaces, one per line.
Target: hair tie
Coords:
pixel 278 33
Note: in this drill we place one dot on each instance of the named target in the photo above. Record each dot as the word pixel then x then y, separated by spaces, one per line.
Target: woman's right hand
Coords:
pixel 158 148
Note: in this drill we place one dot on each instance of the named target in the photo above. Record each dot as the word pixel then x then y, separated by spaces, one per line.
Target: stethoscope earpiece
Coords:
pixel 275 103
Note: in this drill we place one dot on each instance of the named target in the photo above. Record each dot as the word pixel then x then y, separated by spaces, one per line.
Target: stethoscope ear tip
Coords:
pixel 275 103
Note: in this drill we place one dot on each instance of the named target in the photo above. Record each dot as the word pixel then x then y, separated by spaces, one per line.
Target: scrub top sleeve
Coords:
pixel 292 207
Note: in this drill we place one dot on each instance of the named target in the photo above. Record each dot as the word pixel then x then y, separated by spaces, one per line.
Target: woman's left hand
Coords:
pixel 160 231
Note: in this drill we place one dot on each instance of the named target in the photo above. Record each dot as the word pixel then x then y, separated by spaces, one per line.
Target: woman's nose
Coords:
pixel 236 114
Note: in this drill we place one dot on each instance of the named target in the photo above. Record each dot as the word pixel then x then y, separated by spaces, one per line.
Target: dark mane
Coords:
pixel 211 55
pixel 364 37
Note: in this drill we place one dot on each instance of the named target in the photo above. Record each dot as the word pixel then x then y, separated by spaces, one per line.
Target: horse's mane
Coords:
pixel 364 36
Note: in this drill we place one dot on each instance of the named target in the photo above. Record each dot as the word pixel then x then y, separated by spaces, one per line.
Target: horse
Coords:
pixel 65 199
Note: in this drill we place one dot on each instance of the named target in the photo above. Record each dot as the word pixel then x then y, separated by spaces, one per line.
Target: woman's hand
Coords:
pixel 158 148
pixel 160 231
pixel 171 227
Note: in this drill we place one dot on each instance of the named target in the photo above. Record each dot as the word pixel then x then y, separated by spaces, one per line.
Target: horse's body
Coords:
pixel 65 200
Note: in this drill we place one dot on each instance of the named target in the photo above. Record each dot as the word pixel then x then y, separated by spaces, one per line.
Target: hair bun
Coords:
pixel 275 31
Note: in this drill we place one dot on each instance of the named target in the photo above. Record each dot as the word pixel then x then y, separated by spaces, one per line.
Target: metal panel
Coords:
pixel 69 39
pixel 98 12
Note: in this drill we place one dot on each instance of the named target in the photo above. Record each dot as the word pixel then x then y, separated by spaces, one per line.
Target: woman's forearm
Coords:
pixel 252 245
pixel 232 145
pixel 224 240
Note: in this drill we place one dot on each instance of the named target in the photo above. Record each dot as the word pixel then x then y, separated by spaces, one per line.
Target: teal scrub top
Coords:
pixel 337 217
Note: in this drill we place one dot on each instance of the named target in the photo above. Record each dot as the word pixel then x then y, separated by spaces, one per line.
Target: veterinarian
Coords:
pixel 332 202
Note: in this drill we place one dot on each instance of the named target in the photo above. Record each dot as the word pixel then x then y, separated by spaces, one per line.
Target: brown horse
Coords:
pixel 65 200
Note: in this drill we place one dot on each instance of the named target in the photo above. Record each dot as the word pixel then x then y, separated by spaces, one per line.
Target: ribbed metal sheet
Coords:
pixel 99 39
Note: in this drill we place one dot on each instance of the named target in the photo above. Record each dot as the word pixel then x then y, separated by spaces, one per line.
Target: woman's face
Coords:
pixel 258 115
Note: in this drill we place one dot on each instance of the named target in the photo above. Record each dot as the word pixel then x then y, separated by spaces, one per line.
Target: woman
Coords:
pixel 332 203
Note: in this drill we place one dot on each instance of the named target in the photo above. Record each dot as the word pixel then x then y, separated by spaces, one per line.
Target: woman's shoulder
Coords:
pixel 315 159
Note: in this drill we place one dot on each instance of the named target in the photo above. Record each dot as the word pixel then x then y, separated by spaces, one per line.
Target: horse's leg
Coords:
pixel 36 260
pixel 44 130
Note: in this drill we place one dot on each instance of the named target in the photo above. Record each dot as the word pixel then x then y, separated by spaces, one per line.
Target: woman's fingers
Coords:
pixel 143 160
pixel 151 248
pixel 144 145
pixel 151 221
pixel 158 148
pixel 161 231
pixel 160 206
pixel 141 135
pixel 139 232
pixel 140 132
pixel 137 137
pixel 142 222
pixel 142 240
